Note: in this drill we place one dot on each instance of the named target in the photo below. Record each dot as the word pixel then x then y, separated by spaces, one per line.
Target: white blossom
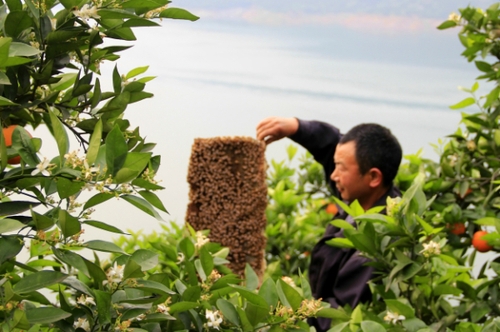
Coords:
pixel 201 240
pixel 214 318
pixel 431 248
pixel 392 317
pixel 289 281
pixel 42 168
pixel 114 274
pixel 82 323
pixel 162 308
pixel 393 206
pixel 87 12
pixel 85 300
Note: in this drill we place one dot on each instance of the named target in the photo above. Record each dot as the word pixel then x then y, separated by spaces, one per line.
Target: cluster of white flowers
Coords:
pixel 201 240
pixel 87 12
pixel 289 281
pixel 214 318
pixel 454 17
pixel 82 323
pixel 393 206
pixel 431 248
pixel 114 274
pixel 392 317
pixel 85 300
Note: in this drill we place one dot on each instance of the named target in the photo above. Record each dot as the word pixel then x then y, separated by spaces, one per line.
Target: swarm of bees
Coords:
pixel 228 196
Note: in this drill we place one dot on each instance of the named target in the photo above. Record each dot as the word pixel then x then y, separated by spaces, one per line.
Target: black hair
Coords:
pixel 376 147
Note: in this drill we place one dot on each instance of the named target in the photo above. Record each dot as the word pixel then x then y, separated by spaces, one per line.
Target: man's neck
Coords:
pixel 373 198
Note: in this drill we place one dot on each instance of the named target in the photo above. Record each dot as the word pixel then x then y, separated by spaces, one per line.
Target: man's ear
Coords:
pixel 376 177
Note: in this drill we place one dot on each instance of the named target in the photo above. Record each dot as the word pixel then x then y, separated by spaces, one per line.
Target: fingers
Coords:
pixel 266 128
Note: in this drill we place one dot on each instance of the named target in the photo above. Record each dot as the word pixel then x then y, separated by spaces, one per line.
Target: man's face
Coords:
pixel 350 183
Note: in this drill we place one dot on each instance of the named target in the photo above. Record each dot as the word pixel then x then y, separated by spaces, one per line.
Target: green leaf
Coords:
pixel 9 225
pixel 340 243
pixel 486 221
pixel 153 199
pixel 38 280
pixel 447 24
pixel 103 226
pixel 46 315
pixel 483 66
pixel 116 150
pixel 192 294
pixel 153 287
pixel 59 134
pixel 78 285
pixel 135 163
pixel 145 258
pixel 74 260
pixel 136 71
pixel 304 284
pixel 132 270
pixel 97 199
pixel 288 295
pixel 15 207
pixel 371 326
pixel 464 103
pixel 95 143
pixel 16 22
pixel 251 296
pixel 256 313
pixel 117 81
pixel 182 306
pixel 142 205
pixel 251 278
pixel 68 224
pixel 103 301
pixel 179 14
pixel 400 308
pixel 115 14
pixel 67 187
pixel 332 313
pixel 10 246
pixel 200 270
pixel 65 81
pixel 340 223
pixel 207 261
pixel 228 311
pixel 104 246
pixel 269 292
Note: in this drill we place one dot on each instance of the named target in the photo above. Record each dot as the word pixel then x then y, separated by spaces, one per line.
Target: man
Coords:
pixel 359 165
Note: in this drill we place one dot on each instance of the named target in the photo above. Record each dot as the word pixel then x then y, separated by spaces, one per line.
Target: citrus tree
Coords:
pixel 425 250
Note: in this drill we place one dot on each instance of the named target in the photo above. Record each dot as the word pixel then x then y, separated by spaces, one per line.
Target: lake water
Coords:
pixel 214 81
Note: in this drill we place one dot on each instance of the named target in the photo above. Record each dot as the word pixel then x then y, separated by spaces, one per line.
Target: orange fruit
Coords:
pixel 331 209
pixel 7 135
pixel 467 193
pixel 457 228
pixel 480 244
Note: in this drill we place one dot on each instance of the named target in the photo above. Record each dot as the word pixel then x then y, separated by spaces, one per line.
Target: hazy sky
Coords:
pixel 340 61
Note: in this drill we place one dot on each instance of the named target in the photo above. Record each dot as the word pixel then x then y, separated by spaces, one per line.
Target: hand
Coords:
pixel 274 128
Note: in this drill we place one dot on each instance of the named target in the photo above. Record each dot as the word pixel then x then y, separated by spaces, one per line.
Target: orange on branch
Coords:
pixel 457 228
pixel 331 209
pixel 7 135
pixel 480 244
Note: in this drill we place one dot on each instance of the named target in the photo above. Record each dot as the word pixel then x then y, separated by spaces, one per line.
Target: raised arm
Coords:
pixel 275 128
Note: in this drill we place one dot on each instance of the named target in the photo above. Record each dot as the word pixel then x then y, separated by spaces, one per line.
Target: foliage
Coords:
pixel 295 214
pixel 427 278
pixel 50 56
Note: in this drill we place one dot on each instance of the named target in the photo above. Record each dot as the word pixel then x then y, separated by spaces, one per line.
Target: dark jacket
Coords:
pixel 336 275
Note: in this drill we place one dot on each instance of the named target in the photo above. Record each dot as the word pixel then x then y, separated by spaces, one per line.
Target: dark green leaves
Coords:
pixel 178 13
pixel 37 281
